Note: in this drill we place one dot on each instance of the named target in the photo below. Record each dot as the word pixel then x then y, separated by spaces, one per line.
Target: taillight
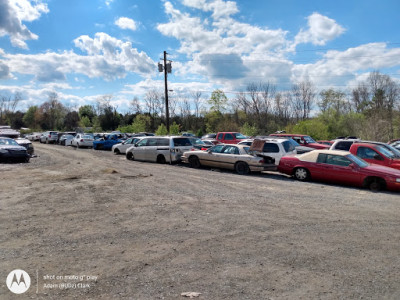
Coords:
pixel 193 149
pixel 202 148
pixel 262 161
pixel 49 135
pixel 81 140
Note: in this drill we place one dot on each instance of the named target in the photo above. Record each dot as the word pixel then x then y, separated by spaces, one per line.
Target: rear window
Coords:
pixel 345 146
pixel 271 148
pixel 182 142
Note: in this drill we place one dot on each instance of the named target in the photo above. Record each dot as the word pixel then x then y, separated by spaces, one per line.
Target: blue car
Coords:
pixel 107 142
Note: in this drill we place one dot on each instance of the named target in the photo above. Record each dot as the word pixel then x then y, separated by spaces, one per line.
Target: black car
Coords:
pixel 11 151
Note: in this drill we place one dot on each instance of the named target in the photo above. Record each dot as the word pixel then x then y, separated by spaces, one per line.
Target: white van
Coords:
pixel 160 149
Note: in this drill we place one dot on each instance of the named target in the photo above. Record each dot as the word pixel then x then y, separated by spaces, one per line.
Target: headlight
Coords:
pixel 398 180
pixel 3 151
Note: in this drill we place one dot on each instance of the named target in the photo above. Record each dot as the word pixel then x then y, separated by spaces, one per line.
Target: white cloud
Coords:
pixel 321 29
pixel 339 67
pixel 219 8
pixel 126 23
pixel 13 13
pixel 107 57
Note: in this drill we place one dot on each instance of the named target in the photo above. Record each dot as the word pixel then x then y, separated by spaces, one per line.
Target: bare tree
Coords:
pixel 135 105
pixel 303 99
pixel 197 102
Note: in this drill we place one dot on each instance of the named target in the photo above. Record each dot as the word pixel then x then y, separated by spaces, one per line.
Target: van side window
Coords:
pixel 142 143
pixel 162 142
pixel 182 142
pixel 152 142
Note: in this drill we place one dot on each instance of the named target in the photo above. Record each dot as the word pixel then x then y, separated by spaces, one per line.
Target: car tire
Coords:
pixel 161 159
pixel 376 184
pixel 117 152
pixel 129 156
pixel 301 174
pixel 194 162
pixel 242 168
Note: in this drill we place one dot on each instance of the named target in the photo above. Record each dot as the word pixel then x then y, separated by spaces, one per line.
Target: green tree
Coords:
pixel 174 129
pixel 87 111
pixel 162 130
pixel 218 101
pixel 249 130
pixel 85 122
pixel 30 117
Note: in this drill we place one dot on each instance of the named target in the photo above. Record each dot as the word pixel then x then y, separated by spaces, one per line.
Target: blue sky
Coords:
pixel 83 50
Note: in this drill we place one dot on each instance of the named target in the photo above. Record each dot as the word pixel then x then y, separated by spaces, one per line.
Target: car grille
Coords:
pixel 17 152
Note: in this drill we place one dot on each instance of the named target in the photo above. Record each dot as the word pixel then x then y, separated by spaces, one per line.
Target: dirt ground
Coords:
pixel 87 224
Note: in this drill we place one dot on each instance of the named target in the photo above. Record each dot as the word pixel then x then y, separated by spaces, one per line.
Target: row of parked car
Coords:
pixel 347 160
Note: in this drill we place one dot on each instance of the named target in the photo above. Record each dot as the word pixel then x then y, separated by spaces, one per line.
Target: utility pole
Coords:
pixel 167 68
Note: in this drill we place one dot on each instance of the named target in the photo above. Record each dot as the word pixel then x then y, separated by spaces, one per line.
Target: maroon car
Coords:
pixel 340 167
pixel 303 140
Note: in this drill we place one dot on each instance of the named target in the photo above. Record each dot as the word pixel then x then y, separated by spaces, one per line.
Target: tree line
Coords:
pixel 370 111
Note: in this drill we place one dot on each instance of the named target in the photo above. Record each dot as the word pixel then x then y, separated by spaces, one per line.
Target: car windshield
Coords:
pixel 309 139
pixel 247 149
pixel 358 161
pixel 239 136
pixel 386 152
pixel 394 150
pixel 8 142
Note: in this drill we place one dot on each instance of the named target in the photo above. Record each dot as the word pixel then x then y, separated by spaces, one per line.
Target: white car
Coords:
pixel 122 147
pixel 66 139
pixel 35 136
pixel 82 140
pixel 276 148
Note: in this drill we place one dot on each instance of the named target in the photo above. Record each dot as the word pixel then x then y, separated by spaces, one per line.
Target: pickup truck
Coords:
pixel 230 137
pixel 107 142
pixel 376 154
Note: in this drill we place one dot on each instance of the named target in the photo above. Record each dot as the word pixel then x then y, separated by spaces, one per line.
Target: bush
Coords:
pixel 162 130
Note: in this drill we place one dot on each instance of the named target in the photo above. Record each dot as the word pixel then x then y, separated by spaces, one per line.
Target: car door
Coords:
pixel 229 138
pixel 140 150
pixel 210 158
pixel 227 158
pixel 370 155
pixel 125 145
pixel 150 153
pixel 337 169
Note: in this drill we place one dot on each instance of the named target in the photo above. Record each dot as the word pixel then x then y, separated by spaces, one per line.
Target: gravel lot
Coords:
pixel 113 228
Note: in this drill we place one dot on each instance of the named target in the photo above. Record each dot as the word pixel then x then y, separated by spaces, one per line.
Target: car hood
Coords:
pixel 12 147
pixel 303 149
pixel 383 170
pixel 318 146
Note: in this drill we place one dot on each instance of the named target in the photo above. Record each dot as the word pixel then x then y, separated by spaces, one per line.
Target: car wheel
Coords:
pixel 301 174
pixel 194 162
pixel 242 168
pixel 129 156
pixel 161 159
pixel 376 184
pixel 117 152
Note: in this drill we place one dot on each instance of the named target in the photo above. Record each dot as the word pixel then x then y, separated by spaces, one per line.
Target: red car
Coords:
pixel 230 137
pixel 340 167
pixel 376 154
pixel 303 140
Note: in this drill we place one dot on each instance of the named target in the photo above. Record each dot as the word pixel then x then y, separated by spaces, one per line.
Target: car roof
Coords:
pixel 287 134
pixel 313 155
